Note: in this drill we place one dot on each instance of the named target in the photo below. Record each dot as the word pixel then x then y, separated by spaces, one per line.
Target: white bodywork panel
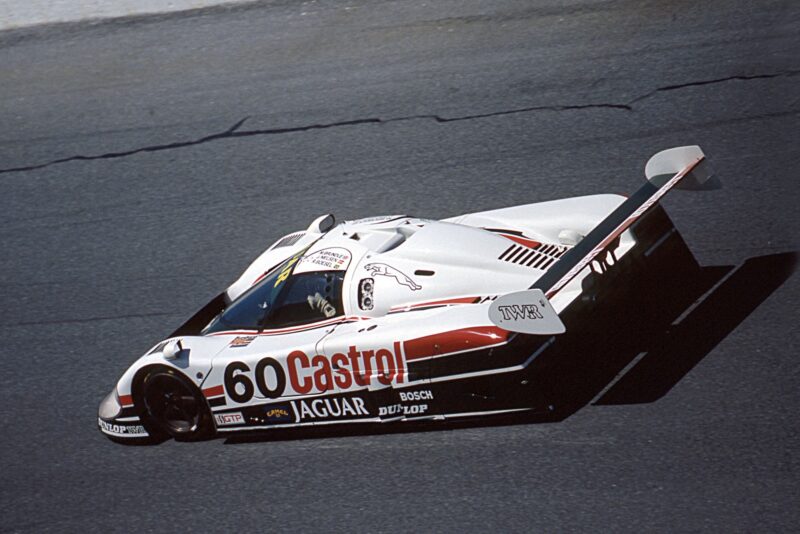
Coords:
pixel 414 292
pixel 426 277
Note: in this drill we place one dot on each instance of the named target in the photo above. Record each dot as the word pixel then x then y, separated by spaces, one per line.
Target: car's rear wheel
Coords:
pixel 174 406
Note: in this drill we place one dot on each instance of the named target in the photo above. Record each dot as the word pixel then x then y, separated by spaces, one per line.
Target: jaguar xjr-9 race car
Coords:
pixel 395 319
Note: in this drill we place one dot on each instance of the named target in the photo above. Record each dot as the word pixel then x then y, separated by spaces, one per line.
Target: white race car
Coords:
pixel 394 319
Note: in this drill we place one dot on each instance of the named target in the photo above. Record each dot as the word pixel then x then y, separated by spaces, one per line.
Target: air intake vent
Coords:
pixel 288 240
pixel 541 257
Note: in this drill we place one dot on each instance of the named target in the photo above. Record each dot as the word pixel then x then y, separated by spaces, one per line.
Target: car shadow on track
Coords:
pixel 640 345
pixel 737 292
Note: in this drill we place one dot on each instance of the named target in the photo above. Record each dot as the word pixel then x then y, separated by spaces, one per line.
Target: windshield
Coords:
pixel 283 298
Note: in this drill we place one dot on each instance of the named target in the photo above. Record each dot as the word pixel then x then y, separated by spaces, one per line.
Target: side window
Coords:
pixel 308 298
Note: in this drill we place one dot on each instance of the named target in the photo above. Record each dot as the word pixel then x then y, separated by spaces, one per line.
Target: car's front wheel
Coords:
pixel 175 406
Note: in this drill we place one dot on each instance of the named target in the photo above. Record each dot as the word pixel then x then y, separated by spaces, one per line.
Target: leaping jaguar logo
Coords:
pixel 381 269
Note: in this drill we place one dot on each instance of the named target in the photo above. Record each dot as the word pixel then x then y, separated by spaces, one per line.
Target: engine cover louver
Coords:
pixel 289 240
pixel 540 257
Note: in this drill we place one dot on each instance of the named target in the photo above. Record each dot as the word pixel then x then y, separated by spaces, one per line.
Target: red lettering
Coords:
pixel 384 366
pixel 342 378
pixel 368 355
pixel 346 370
pixel 398 357
pixel 355 368
pixel 323 378
pixel 301 358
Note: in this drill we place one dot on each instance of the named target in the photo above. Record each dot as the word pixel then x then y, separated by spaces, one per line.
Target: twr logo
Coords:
pixel 520 311
pixel 381 269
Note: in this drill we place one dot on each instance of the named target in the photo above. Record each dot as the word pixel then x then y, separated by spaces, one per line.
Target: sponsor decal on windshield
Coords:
pixel 287 270
pixel 327 259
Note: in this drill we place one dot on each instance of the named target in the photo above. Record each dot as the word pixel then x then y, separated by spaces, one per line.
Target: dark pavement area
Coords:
pixel 145 163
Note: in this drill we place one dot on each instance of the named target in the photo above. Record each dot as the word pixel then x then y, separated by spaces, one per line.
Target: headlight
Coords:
pixel 110 406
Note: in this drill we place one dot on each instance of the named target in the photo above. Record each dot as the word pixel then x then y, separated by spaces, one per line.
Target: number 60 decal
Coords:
pixel 238 373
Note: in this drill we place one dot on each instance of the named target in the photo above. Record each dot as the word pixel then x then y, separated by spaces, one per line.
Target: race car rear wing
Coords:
pixel 681 167
pixel 530 311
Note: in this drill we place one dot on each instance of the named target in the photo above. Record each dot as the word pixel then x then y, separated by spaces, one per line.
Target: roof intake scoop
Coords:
pixel 399 236
pixel 322 224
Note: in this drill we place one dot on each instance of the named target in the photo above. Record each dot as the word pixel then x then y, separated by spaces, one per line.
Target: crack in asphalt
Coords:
pixel 87 319
pixel 784 74
pixel 234 131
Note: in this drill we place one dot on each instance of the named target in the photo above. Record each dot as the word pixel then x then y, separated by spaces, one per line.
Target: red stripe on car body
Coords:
pixel 530 243
pixel 214 391
pixel 290 330
pixel 446 302
pixel 454 341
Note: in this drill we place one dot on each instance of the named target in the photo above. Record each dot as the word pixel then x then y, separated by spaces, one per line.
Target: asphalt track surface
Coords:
pixel 144 164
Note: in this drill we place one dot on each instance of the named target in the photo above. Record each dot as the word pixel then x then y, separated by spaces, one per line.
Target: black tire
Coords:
pixel 173 406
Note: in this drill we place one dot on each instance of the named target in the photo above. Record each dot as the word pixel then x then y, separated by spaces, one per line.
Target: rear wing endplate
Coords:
pixel 526 312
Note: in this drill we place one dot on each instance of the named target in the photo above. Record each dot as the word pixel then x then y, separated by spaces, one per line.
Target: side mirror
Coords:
pixel 172 349
pixel 322 224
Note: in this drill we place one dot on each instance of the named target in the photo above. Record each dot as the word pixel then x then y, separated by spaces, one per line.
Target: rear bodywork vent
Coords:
pixel 539 257
pixel 289 240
